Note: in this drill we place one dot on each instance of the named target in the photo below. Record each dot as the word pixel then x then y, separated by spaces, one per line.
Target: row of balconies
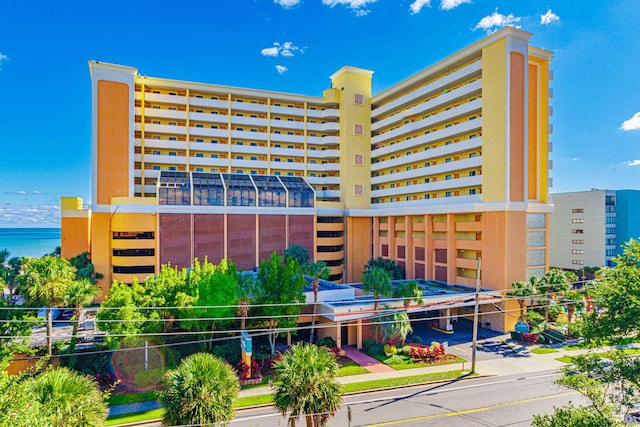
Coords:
pixel 470 181
pixel 446 133
pixel 236 134
pixel 445 99
pixel 153 113
pixel 435 120
pixel 445 150
pixel 469 163
pixel 240 106
pixel 438 85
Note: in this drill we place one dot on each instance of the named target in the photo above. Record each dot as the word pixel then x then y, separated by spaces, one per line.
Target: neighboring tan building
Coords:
pixel 588 228
pixel 445 167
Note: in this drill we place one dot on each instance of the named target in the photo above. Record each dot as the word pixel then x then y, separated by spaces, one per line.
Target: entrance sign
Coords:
pixel 521 327
pixel 245 345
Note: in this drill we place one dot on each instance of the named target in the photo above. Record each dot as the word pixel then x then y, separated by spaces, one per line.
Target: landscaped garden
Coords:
pixel 411 355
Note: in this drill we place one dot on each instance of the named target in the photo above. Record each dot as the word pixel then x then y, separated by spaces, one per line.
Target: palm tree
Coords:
pixel 410 291
pixel 246 282
pixel 554 281
pixel 201 391
pixel 573 299
pixel 80 293
pixel 378 281
pixel 67 398
pixel 316 270
pixel 46 281
pixel 521 291
pixel 307 385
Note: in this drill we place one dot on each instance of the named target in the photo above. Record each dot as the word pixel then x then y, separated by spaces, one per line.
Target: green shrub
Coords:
pixel 228 350
pixel 397 359
pixel 516 336
pixel 435 344
pixel 416 339
pixel 326 342
pixel 376 350
pixel 390 349
pixel 405 351
pixel 366 345
pixel 96 361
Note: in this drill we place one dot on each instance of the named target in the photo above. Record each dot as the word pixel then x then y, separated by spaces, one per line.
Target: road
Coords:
pixel 496 401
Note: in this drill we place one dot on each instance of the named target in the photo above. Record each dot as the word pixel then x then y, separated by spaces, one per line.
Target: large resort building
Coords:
pixel 443 168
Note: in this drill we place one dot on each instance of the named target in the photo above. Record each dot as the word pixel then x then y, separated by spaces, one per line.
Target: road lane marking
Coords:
pixel 471 411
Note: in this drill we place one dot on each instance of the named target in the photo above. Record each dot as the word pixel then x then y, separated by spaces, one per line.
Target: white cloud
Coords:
pixel 417 6
pixel 633 163
pixel 358 6
pixel 270 51
pixel 284 49
pixel 497 20
pixel 3 57
pixel 13 215
pixel 548 18
pixel 575 158
pixel 452 4
pixel 281 69
pixel 286 3
pixel 632 124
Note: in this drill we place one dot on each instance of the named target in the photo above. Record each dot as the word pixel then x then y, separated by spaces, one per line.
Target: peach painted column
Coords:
pixel 408 248
pixel 376 237
pixel 428 247
pixel 359 334
pixel 391 236
pixel 338 334
pixel 451 249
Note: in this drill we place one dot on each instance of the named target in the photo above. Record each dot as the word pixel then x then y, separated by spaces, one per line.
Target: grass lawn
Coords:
pixel 626 352
pixel 268 398
pixel 135 417
pixel 351 368
pixel 543 350
pixel 123 399
pixel 401 362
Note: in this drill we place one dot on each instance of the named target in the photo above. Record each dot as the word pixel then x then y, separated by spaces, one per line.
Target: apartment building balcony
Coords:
pixel 208 147
pixel 161 98
pixel 156 128
pixel 208 103
pixel 468 226
pixel 247 149
pixel 248 164
pixel 329 256
pixel 464 73
pixel 445 150
pixel 287 152
pixel 326 180
pixel 328 194
pixel 148 173
pixel 148 189
pixel 281 137
pixel 420 173
pixel 450 184
pixel 249 121
pixel 287 124
pixel 469 245
pixel 446 133
pixel 287 111
pixel 161 159
pixel 324 140
pixel 247 135
pixel 330 113
pixel 208 132
pixel 445 99
pixel 293 166
pixel 435 120
pixel 323 154
pixel 252 107
pixel 330 127
pixel 208 117
pixel 161 144
pixel 323 167
pixel 154 113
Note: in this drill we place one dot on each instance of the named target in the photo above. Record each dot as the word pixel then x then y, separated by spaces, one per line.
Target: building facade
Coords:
pixel 446 167
pixel 588 228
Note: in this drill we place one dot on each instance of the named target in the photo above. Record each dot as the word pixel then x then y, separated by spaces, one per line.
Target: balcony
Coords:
pixel 472 181
pixel 162 144
pixel 447 98
pixel 208 117
pixel 452 79
pixel 328 194
pixel 155 128
pixel 280 137
pixel 330 127
pixel 162 98
pixel 325 140
pixel 330 113
pixel 327 180
pixel 220 104
pixel 249 164
pixel 323 154
pixel 323 167
pixel 437 119
pixel 287 111
pixel 293 166
pixel 287 152
pixel 161 113
pixel 421 173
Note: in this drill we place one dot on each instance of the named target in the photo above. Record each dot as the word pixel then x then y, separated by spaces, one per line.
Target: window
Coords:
pixel 156 153
pixel 156 168
pixel 577 210
pixel 472 173
pixel 448 143
pixel 577 242
pixel 173 138
pixel 199 126
pixel 239 157
pixel 214 156
pixel 199 155
pixel 448 177
pixel 172 168
pixel 358 159
pixel 358 190
pixel 472 191
pixel 358 129
pixel 358 99
pixel 610 220
pixel 427 180
pixel 254 158
pixel 447 160
pixel 610 230
pixel 447 194
pixel 471 155
pixel 577 231
pixel 577 262
pixel 577 221
pixel 173 124
pixel 172 153
pixel 610 252
pixel 199 170
pixel 199 140
pixel 577 251
pixel 610 242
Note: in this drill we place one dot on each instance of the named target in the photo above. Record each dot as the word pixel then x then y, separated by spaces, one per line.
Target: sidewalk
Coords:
pixel 526 363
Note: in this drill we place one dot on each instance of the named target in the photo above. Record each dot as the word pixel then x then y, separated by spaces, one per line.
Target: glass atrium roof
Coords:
pixel 215 189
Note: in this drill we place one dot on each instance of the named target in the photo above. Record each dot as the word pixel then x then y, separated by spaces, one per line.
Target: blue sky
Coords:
pixel 294 46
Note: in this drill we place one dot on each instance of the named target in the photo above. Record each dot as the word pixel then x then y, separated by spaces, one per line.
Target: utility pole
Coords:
pixel 476 307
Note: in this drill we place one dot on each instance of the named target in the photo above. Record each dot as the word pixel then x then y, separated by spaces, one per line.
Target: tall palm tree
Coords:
pixel 46 281
pixel 200 391
pixel 377 281
pixel 246 283
pixel 522 291
pixel 409 291
pixel 67 398
pixel 80 293
pixel 316 270
pixel 554 281
pixel 307 385
pixel 573 299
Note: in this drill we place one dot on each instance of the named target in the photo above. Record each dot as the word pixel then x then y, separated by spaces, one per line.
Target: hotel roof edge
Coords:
pixel 470 49
pixel 116 67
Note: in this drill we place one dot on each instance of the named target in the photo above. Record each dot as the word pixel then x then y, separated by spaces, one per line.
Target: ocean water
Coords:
pixel 33 242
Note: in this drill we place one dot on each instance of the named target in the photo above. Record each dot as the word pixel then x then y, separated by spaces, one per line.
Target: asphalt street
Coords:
pixel 495 401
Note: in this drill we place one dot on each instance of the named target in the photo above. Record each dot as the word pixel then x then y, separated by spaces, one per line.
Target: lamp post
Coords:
pixel 476 307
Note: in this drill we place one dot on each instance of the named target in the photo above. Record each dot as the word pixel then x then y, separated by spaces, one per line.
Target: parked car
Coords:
pixel 596 373
pixel 66 314
pixel 42 313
